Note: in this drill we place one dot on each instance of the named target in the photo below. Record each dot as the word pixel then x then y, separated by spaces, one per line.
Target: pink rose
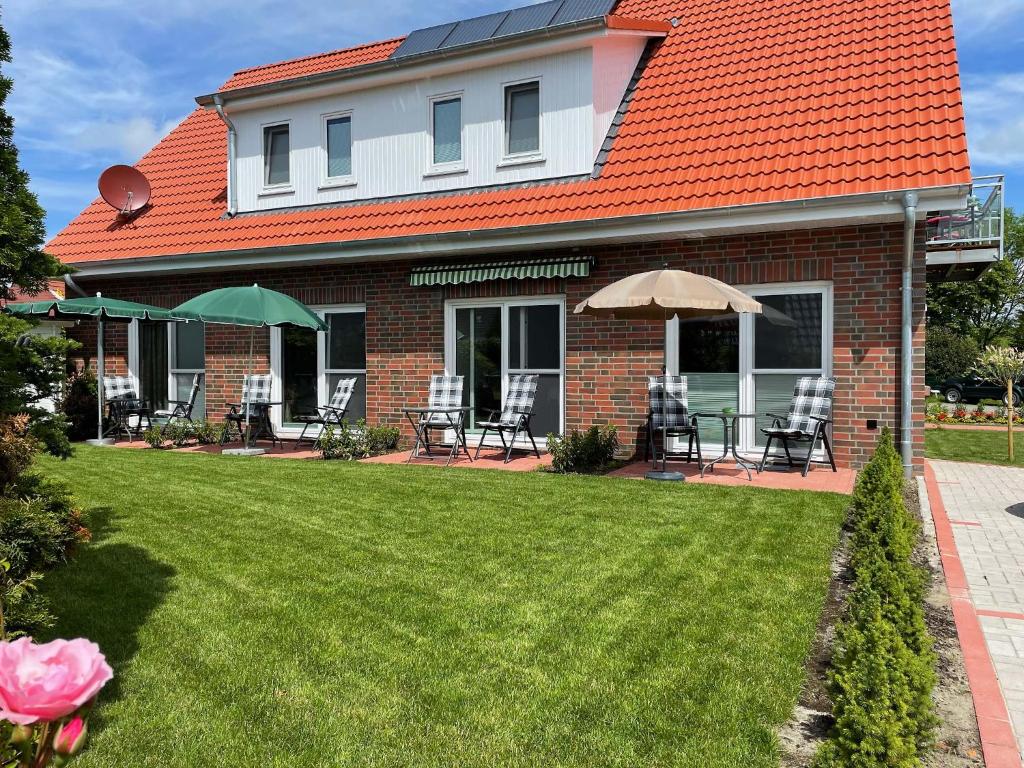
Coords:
pixel 70 737
pixel 49 681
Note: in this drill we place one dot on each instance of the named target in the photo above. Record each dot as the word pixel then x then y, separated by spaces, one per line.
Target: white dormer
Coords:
pixel 515 113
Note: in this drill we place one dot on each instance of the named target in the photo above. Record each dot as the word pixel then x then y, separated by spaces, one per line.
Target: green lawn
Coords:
pixel 978 445
pixel 282 613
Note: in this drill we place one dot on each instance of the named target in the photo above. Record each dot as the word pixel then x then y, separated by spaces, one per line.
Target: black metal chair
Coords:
pixel 124 404
pixel 810 413
pixel 255 404
pixel 514 417
pixel 330 415
pixel 670 418
pixel 182 410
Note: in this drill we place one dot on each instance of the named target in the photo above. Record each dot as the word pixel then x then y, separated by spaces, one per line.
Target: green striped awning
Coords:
pixel 506 269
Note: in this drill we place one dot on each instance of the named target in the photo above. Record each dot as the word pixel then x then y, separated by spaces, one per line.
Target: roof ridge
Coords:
pixel 322 54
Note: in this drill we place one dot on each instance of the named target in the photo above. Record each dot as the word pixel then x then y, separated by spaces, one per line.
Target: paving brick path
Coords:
pixel 985 507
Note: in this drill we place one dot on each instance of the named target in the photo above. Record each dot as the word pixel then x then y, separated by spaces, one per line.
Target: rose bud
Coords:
pixel 22 736
pixel 70 737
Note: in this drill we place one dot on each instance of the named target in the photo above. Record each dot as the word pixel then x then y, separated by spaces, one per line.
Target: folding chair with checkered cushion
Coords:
pixel 514 417
pixel 445 392
pixel 255 404
pixel 670 417
pixel 123 406
pixel 182 410
pixel 331 414
pixel 810 413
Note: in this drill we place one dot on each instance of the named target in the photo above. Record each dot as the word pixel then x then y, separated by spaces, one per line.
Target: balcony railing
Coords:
pixel 978 225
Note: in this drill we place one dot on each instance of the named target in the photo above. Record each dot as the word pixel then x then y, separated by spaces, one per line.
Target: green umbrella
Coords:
pixel 100 307
pixel 251 306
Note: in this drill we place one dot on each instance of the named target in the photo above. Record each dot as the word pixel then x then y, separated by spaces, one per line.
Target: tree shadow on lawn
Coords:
pixel 106 594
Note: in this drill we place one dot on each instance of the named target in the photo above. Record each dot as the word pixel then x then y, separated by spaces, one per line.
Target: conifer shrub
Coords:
pixel 883 665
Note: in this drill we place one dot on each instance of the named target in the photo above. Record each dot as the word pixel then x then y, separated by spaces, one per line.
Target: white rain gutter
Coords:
pixel 910 200
pixel 218 105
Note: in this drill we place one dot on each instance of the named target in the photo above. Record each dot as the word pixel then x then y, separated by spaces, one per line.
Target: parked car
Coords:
pixel 971 389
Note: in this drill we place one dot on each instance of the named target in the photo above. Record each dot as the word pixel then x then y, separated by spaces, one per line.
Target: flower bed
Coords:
pixel 963 414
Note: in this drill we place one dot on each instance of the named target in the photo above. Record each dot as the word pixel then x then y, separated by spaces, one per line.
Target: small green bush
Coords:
pixel 79 405
pixel 40 527
pixel 208 432
pixel 154 437
pixel 359 442
pixel 883 665
pixel 590 451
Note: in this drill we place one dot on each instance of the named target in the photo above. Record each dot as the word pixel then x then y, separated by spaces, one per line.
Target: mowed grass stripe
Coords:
pixel 289 613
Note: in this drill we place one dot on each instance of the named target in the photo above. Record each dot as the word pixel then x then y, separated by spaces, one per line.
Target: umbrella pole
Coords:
pixel 248 409
pixel 99 379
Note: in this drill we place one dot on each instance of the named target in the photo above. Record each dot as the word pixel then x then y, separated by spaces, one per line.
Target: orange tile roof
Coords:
pixel 311 65
pixel 742 103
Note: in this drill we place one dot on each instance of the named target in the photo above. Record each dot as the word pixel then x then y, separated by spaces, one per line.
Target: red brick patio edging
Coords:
pixel 997 740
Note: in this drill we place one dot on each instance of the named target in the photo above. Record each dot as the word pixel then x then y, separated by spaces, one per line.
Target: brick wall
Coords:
pixel 607 361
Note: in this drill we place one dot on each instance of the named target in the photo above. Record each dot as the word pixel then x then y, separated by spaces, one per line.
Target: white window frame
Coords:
pixel 456 166
pixel 747 371
pixel 322 371
pixel 521 158
pixel 172 361
pixel 347 180
pixel 504 303
pixel 135 358
pixel 275 189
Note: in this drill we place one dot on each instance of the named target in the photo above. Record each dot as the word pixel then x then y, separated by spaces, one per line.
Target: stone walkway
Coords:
pixel 985 508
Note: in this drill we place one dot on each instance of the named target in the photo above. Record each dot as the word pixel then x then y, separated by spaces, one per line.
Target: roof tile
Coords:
pixel 742 103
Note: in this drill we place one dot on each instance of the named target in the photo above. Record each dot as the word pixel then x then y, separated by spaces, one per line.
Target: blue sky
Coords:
pixel 98 82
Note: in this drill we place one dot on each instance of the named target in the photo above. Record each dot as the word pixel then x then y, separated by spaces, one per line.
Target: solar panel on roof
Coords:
pixel 423 40
pixel 472 30
pixel 529 18
pixel 495 25
pixel 576 10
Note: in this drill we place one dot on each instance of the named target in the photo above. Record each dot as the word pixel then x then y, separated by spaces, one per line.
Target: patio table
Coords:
pixel 419 417
pixel 120 411
pixel 259 422
pixel 730 422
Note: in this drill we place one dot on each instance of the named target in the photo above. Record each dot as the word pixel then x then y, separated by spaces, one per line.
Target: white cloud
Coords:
pixel 132 137
pixel 994 106
pixel 981 17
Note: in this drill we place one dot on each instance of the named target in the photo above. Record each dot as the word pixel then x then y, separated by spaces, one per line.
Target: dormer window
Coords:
pixel 338 138
pixel 446 131
pixel 276 162
pixel 522 119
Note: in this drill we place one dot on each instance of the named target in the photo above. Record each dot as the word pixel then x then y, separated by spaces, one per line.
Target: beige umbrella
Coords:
pixel 661 295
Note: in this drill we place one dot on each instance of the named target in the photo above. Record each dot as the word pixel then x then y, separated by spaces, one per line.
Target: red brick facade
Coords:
pixel 606 361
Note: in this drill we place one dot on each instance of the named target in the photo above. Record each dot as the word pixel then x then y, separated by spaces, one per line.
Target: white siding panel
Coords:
pixel 615 60
pixel 391 143
pixel 391 146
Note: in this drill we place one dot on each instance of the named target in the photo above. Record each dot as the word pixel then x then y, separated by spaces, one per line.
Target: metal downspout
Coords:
pixel 218 105
pixel 907 350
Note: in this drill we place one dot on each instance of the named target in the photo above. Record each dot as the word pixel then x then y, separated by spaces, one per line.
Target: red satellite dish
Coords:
pixel 124 188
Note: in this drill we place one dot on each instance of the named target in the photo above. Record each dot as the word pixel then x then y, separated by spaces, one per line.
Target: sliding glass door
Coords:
pixel 488 342
pixel 788 342
pixel 308 364
pixel 751 362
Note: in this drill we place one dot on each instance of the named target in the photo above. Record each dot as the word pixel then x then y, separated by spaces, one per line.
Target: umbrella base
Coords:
pixel 102 441
pixel 243 451
pixel 665 476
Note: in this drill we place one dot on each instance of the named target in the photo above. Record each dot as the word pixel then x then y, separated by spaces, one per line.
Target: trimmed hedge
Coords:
pixel 883 665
